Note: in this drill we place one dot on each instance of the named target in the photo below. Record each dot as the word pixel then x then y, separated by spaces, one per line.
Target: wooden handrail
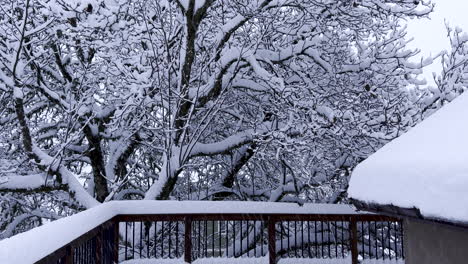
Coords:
pixel 65 254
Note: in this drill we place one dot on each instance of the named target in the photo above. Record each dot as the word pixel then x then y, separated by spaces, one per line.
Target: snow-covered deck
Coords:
pixel 54 237
pixel 263 260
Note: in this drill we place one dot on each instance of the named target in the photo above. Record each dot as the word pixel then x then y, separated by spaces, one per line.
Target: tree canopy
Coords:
pixel 273 100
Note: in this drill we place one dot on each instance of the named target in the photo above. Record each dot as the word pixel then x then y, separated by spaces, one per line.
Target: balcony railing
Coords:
pixel 198 230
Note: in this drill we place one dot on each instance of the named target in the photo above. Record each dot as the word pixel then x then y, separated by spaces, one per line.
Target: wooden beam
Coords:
pixel 272 239
pixel 354 241
pixel 98 246
pixel 69 255
pixel 115 250
pixel 188 240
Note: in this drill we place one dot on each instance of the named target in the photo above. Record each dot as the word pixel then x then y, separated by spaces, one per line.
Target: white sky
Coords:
pixel 430 35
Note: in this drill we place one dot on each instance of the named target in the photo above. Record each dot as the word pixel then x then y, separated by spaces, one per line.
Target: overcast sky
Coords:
pixel 430 35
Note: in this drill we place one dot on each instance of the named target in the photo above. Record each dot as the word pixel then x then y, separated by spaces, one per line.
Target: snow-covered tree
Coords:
pixel 196 99
pixel 453 79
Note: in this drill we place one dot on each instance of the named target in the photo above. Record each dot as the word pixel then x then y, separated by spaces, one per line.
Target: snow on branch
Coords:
pixel 24 182
pixel 229 143
pixel 80 194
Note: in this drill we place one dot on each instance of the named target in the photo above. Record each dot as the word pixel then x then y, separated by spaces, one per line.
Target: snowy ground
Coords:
pixel 263 260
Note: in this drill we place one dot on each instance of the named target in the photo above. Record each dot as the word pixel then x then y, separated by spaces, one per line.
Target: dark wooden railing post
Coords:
pixel 188 240
pixel 69 255
pixel 272 239
pixel 115 250
pixel 70 252
pixel 98 246
pixel 354 240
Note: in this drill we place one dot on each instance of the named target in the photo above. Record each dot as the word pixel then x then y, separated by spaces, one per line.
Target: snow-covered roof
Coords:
pixel 425 168
pixel 65 230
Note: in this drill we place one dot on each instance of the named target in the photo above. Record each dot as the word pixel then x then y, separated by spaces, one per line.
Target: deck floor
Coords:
pixel 263 260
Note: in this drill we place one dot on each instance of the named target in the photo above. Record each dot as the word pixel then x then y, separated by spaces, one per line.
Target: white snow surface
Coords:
pixel 425 168
pixel 262 260
pixel 43 240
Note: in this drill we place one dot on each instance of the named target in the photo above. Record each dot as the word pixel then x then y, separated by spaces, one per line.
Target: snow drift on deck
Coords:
pixel 426 168
pixel 263 260
pixel 41 241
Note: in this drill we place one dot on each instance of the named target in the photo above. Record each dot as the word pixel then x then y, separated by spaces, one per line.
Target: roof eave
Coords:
pixel 399 212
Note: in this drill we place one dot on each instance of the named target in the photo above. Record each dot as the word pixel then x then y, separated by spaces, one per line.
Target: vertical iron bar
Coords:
pixel 289 235
pixel 126 240
pixel 148 228
pixel 206 239
pixel 329 238
pixel 395 236
pixel 212 238
pixel 308 238
pixel 321 231
pixel 281 235
pixel 155 237
pixel 402 239
pixel 261 234
pixel 370 238
pixel 162 239
pixel 302 238
pixel 227 238
pixel 234 238
pixel 342 239
pixel 254 236
pixel 241 237
pixel 220 238
pixel 199 251
pixel 188 240
pixel 376 243
pixel 362 240
pixel 389 238
pixel 336 240
pixel 177 240
pixel 141 237
pixel 316 242
pixel 295 239
pixel 88 250
pixel 85 251
pixel 133 241
pixel 170 237
pixel 383 240
pixel 247 238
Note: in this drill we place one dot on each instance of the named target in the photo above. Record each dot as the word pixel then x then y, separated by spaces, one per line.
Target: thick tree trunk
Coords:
pixel 97 163
pixel 162 188
pixel 240 158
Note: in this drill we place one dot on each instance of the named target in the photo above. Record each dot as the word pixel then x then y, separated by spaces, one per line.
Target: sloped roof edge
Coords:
pixel 425 168
pixel 400 212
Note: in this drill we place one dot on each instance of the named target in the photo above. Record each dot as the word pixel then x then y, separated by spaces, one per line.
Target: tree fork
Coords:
pixel 97 163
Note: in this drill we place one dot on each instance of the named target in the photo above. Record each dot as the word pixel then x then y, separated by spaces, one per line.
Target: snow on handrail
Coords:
pixel 44 240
